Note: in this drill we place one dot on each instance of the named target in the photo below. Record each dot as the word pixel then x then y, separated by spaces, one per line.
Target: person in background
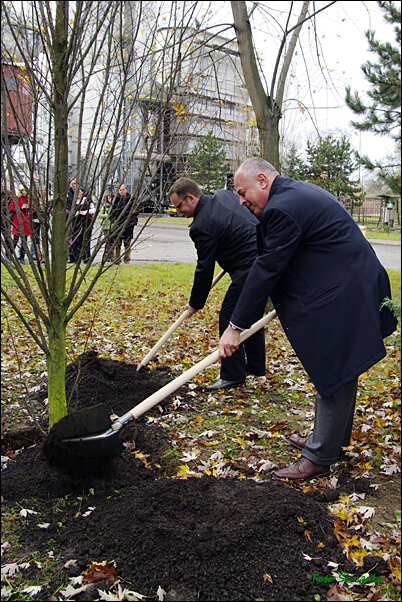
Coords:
pixel 23 206
pixel 104 216
pixel 70 195
pixel 84 212
pixel 38 214
pixel 327 287
pixel 123 230
pixel 70 199
pixel 225 233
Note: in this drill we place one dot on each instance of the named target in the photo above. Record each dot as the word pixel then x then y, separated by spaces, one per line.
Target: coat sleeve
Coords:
pixel 281 239
pixel 206 245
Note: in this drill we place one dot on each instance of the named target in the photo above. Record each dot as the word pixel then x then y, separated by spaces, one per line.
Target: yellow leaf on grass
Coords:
pixel 397 572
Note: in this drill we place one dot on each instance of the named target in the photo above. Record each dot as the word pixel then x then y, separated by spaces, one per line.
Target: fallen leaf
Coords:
pixel 33 590
pixel 99 572
pixel 70 591
pixel 24 512
pixel 10 569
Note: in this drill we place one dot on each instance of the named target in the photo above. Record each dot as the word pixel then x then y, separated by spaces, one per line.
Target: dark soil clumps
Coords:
pixel 197 538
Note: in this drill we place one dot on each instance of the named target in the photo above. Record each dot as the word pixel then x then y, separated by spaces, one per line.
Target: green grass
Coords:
pixel 165 219
pixel 383 235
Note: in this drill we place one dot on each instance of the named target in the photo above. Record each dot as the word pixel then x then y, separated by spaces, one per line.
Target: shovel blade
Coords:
pixel 104 445
pixel 83 423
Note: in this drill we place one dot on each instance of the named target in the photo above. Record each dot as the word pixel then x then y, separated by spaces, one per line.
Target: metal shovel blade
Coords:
pixel 102 445
pixel 84 422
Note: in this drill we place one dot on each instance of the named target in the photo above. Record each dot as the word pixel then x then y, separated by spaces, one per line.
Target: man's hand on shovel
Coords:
pixel 229 343
pixel 190 310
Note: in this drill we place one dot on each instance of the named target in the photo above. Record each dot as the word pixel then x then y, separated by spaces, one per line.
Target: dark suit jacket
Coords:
pixel 325 281
pixel 223 232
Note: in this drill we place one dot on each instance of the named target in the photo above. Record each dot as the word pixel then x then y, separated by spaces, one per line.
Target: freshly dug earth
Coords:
pixel 197 538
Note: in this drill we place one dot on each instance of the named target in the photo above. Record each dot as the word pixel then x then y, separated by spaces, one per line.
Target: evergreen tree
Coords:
pixel 292 165
pixel 207 164
pixel 381 114
pixel 330 165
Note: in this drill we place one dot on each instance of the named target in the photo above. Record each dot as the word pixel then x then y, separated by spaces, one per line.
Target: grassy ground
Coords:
pixel 384 234
pixel 124 317
pixel 129 311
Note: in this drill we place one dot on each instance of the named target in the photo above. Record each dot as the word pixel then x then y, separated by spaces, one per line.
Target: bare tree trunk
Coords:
pixel 267 108
pixel 56 359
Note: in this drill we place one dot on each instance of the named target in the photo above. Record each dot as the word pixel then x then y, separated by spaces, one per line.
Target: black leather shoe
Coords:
pixel 224 384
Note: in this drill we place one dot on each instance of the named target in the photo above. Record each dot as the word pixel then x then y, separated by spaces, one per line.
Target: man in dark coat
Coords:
pixel 225 233
pixel 327 287
pixel 123 230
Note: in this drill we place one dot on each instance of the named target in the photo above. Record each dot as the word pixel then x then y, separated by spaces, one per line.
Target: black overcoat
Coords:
pixel 325 282
pixel 223 232
pixel 118 215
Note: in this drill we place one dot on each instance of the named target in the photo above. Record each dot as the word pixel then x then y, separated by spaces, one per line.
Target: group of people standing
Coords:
pixel 22 218
pixel 113 215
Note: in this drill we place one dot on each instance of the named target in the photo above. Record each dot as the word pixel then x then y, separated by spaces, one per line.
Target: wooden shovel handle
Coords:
pixel 174 326
pixel 158 396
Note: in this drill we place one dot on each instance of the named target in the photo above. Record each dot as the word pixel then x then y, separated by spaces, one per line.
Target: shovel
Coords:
pixel 91 433
pixel 174 326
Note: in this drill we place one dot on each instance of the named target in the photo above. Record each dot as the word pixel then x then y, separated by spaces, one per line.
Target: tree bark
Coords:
pixel 267 108
pixel 56 360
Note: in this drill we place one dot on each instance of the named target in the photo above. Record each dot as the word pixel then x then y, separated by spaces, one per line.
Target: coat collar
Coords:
pixel 276 185
pixel 201 203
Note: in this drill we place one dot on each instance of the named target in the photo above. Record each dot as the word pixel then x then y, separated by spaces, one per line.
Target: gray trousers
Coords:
pixel 332 425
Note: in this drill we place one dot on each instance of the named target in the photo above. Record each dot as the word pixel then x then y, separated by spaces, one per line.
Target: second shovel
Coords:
pixel 171 330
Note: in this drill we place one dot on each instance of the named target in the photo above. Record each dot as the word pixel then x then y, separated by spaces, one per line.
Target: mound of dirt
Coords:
pixel 197 538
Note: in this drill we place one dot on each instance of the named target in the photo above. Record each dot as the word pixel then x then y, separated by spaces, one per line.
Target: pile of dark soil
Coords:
pixel 198 539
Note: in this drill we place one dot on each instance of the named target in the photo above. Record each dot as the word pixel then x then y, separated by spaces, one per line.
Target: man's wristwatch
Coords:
pixel 234 327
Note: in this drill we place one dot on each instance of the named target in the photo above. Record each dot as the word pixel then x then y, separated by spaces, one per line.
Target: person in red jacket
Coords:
pixel 22 219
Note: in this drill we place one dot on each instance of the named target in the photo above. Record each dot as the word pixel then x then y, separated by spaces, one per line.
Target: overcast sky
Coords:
pixel 343 49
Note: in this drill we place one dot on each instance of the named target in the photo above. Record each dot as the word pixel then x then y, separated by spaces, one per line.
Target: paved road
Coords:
pixel 389 255
pixel 164 242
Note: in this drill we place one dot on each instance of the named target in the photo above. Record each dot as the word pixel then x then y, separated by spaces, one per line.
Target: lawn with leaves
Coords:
pixel 240 433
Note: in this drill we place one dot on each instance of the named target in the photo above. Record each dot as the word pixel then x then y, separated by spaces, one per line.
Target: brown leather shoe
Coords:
pixel 302 470
pixel 297 441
